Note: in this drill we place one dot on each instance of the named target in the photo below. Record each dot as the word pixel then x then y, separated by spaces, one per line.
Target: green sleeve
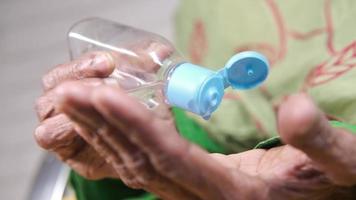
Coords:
pixel 192 131
pixel 106 189
pixel 349 127
pixel 275 141
pixel 110 189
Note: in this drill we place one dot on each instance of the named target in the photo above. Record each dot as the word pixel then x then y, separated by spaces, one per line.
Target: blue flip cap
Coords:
pixel 200 90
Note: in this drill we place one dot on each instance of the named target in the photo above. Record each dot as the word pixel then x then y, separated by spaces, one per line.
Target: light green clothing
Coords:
pixel 310 44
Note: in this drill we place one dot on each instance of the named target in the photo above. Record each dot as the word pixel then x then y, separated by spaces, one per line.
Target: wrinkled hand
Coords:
pixel 56 131
pixel 147 152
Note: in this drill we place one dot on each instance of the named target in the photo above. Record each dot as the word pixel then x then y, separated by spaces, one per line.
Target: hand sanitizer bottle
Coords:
pixel 148 67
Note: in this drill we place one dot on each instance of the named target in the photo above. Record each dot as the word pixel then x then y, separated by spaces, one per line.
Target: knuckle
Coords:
pixel 91 65
pixel 47 80
pixel 139 166
pixel 77 70
pixel 51 78
pixel 39 103
pixel 44 107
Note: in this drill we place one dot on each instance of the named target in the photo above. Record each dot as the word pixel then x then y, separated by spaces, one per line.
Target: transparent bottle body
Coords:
pixel 143 60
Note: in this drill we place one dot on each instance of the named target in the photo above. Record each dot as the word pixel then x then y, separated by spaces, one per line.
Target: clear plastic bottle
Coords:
pixel 150 68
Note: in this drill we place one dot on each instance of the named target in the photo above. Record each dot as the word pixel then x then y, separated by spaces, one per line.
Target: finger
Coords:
pixel 55 132
pixel 170 155
pixel 126 158
pixel 302 125
pixel 73 100
pixel 94 64
pixel 84 159
pixel 45 104
pixel 58 134
pixel 137 163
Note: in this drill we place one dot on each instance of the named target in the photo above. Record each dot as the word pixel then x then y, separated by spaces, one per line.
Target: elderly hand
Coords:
pixel 316 163
pixel 56 131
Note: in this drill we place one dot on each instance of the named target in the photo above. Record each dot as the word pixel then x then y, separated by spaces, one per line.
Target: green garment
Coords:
pixel 311 46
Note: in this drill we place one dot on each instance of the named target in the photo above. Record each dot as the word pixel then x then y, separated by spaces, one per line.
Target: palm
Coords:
pixel 289 172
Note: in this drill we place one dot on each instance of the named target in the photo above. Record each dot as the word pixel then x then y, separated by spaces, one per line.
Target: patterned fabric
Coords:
pixel 311 46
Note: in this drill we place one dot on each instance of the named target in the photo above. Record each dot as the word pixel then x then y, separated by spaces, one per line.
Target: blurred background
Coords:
pixel 32 40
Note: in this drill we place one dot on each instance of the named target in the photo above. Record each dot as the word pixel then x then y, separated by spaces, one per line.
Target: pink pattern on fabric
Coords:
pixel 273 53
pixel 198 44
pixel 340 61
pixel 306 36
pixel 331 69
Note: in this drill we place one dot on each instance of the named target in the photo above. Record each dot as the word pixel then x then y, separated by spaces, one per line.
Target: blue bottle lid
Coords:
pixel 245 70
pixel 200 90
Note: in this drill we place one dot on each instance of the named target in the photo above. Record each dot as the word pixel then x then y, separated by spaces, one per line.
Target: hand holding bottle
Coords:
pixel 106 133
pixel 57 133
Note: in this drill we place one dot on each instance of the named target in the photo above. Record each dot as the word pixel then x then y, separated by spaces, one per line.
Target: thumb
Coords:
pixel 302 125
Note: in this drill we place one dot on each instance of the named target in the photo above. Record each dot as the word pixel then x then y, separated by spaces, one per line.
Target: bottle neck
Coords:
pixel 168 65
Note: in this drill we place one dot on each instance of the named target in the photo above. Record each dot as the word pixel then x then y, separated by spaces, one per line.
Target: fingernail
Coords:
pixel 103 60
pixel 96 64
